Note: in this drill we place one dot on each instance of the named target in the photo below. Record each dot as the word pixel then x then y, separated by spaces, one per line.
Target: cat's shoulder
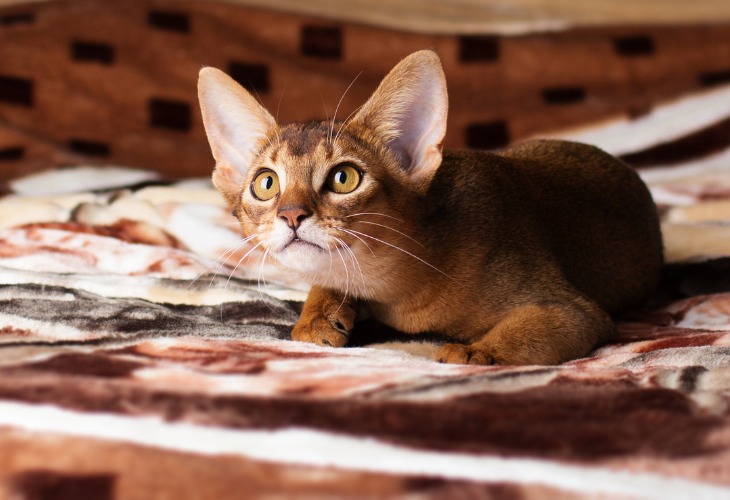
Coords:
pixel 549 149
pixel 541 154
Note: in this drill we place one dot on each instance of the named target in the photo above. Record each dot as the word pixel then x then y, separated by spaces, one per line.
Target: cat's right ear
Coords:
pixel 408 112
pixel 236 126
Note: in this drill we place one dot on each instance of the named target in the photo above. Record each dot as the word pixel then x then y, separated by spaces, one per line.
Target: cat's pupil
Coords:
pixel 267 182
pixel 341 177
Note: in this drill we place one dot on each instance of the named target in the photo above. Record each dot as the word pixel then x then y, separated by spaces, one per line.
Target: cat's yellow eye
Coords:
pixel 344 179
pixel 265 186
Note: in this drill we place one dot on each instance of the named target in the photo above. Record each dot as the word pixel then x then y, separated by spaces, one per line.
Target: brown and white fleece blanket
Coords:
pixel 138 359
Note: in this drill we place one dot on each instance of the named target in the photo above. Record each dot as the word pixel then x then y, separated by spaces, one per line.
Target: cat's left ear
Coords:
pixel 408 112
pixel 236 126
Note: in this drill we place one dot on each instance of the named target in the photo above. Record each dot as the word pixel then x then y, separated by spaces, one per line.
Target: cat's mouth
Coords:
pixel 302 255
pixel 296 241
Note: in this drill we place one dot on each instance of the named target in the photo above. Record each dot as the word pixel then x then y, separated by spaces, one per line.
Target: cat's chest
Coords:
pixel 402 317
pixel 421 309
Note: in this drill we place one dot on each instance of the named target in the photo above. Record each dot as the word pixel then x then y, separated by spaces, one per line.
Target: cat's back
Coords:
pixel 589 210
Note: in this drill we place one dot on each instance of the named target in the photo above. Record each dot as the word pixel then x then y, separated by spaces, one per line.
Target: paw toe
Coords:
pixel 320 332
pixel 330 338
pixel 464 355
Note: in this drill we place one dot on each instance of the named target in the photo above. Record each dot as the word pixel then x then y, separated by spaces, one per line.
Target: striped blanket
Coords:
pixel 143 354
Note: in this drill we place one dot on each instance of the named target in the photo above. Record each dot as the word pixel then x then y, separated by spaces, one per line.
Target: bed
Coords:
pixel 145 354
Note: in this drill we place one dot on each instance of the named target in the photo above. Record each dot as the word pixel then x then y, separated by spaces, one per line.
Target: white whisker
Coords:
pixel 352 232
pixel 326 113
pixel 261 268
pixel 240 261
pixel 356 236
pixel 374 213
pixel 281 98
pixel 392 229
pixel 278 106
pixel 347 280
pixel 353 257
pixel 261 278
pixel 332 126
pixel 230 252
pixel 220 261
pixel 346 120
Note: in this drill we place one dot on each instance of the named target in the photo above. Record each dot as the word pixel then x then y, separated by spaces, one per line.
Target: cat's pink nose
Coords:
pixel 294 215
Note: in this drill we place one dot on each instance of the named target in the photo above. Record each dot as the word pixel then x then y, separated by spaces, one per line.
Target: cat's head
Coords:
pixel 308 192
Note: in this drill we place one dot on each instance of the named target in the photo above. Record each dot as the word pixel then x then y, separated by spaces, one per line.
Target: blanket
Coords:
pixel 145 354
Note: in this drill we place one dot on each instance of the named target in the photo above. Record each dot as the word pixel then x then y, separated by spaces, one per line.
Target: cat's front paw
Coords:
pixel 320 331
pixel 327 318
pixel 464 355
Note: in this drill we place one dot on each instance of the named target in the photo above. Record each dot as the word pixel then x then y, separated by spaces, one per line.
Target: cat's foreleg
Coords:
pixel 542 333
pixel 327 318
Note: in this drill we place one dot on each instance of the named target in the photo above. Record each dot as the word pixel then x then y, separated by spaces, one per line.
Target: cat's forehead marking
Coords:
pixel 302 139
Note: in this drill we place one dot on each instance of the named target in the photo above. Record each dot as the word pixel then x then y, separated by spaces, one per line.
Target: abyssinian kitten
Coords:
pixel 518 257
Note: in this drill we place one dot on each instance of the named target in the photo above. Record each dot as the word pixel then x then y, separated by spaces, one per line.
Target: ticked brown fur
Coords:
pixel 518 257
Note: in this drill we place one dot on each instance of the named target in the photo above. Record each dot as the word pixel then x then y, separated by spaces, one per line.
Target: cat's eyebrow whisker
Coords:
pixel 281 98
pixel 352 231
pixel 278 106
pixel 326 113
pixel 346 120
pixel 392 229
pixel 254 152
pixel 276 135
pixel 332 126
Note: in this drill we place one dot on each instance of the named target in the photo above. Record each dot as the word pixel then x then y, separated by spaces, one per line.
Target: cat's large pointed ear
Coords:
pixel 236 125
pixel 408 111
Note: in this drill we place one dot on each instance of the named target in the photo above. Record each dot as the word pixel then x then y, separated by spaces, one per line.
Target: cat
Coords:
pixel 516 257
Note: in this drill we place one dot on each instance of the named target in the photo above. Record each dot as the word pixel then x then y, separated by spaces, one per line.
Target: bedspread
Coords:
pixel 144 354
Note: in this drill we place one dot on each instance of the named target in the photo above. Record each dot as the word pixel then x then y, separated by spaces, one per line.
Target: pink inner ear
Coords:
pixel 228 181
pixel 423 125
pixel 235 124
pixel 408 111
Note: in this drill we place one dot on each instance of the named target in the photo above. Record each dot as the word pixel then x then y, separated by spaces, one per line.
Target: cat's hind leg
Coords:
pixel 540 333
pixel 327 318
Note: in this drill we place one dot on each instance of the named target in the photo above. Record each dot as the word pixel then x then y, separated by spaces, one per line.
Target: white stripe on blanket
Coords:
pixel 663 124
pixel 316 448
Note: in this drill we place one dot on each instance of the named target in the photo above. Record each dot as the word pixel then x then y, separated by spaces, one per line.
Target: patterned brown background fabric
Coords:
pixel 115 81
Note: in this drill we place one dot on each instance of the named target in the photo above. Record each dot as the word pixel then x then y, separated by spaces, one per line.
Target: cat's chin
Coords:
pixel 304 257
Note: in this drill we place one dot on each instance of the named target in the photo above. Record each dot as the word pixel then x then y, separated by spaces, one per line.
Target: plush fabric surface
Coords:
pixel 141 357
